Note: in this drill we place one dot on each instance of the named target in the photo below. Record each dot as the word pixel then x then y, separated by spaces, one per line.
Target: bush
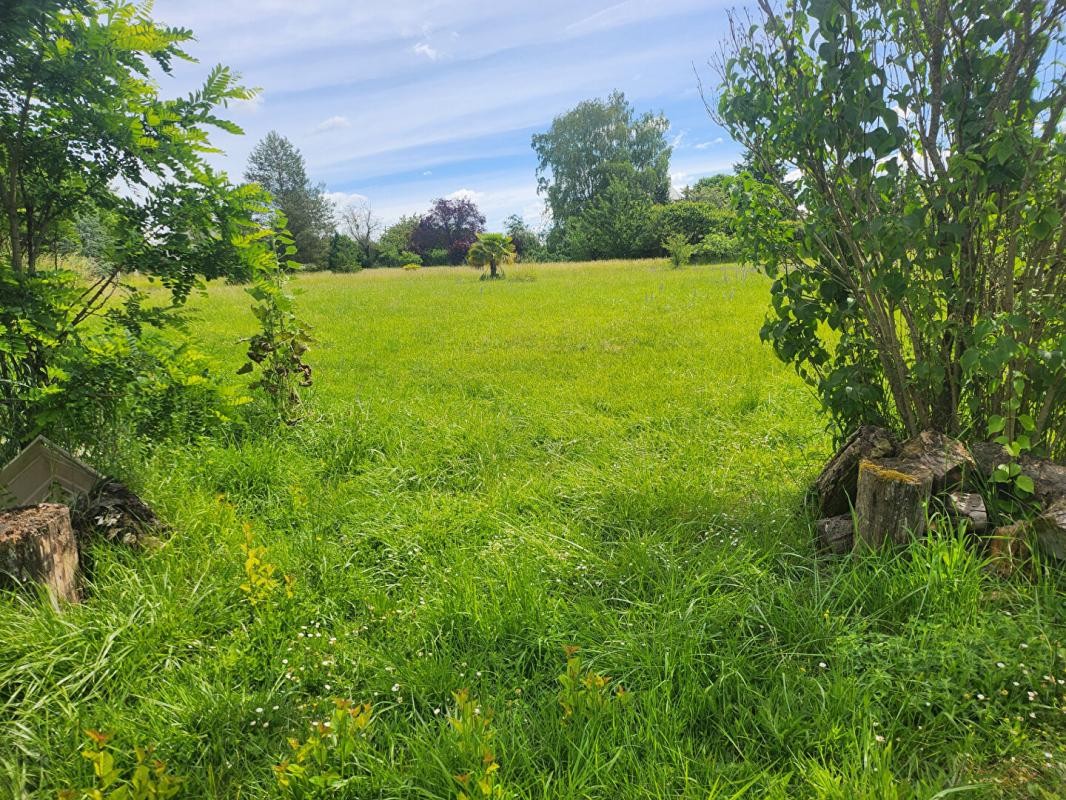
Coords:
pixel 919 217
pixel 716 248
pixel 679 249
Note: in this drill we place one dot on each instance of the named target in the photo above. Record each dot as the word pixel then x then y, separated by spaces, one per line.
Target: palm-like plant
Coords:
pixel 491 250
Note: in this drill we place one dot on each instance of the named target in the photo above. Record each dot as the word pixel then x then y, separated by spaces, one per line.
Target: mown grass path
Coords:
pixel 601 456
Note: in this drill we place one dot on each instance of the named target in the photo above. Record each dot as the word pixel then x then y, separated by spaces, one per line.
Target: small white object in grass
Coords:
pixel 396 687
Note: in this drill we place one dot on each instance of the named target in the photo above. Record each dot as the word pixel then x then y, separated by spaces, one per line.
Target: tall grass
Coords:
pixel 599 456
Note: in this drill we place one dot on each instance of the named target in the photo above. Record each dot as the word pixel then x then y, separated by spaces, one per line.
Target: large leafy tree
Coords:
pixel 451 225
pixel 597 142
pixel 278 166
pixel 911 197
pixel 81 116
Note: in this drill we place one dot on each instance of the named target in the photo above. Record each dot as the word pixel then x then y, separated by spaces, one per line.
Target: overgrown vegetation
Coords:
pixel 492 476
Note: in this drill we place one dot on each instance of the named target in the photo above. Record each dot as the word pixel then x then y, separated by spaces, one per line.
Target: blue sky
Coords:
pixel 403 101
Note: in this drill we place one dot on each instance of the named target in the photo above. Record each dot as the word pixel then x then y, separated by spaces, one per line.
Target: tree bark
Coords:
pixel 891 503
pixel 836 486
pixel 37 545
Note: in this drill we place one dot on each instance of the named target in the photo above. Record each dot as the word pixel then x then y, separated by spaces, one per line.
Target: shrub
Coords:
pixel 716 248
pixel 910 200
pixel 679 249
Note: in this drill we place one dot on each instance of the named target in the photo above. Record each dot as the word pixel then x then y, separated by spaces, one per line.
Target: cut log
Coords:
pixel 946 459
pixel 37 546
pixel 969 507
pixel 836 486
pixel 1049 478
pixel 1049 530
pixel 1008 549
pixel 987 456
pixel 836 535
pixel 891 502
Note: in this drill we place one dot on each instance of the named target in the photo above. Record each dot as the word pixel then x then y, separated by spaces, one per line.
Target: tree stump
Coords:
pixel 891 501
pixel 1049 530
pixel 37 545
pixel 837 485
pixel 836 535
pixel 946 459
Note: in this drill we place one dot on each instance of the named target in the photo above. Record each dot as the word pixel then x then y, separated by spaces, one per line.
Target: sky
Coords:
pixel 404 101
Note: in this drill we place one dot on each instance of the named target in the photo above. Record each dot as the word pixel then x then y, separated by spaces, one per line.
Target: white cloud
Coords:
pixel 342 199
pixel 425 49
pixel 427 173
pixel 712 143
pixel 332 124
pixel 676 142
pixel 465 194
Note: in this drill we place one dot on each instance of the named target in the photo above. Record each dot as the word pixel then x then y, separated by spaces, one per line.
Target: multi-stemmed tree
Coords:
pixel 906 192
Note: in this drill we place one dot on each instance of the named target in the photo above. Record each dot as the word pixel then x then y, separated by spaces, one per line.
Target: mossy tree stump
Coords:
pixel 37 546
pixel 891 502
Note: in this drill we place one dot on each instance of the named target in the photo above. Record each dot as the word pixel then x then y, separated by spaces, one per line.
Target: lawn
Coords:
pixel 602 457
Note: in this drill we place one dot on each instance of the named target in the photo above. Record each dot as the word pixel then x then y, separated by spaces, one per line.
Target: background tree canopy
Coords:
pixel 911 199
pixel 597 142
pixel 278 166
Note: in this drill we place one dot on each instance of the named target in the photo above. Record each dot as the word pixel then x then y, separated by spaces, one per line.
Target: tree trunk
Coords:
pixel 891 503
pixel 37 545
pixel 946 459
pixel 492 269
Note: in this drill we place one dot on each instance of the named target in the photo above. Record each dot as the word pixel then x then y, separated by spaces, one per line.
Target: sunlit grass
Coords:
pixel 602 456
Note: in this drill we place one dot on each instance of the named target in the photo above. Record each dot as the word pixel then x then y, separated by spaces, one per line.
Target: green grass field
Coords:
pixel 601 456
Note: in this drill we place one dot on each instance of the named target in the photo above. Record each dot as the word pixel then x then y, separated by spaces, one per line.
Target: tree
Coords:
pixel 451 225
pixel 911 200
pixel 597 142
pixel 81 115
pixel 278 166
pixel 490 250
pixel 713 190
pixel 394 246
pixel 617 224
pixel 527 243
pixel 345 255
pixel 359 223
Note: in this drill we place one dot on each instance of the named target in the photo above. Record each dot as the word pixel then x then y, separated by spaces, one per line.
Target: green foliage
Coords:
pixel 344 254
pixel 715 248
pixel 146 779
pixel 921 225
pixel 471 725
pixel 714 190
pixel 617 224
pixel 332 758
pixel 278 166
pixel 527 243
pixel 693 220
pixel 492 250
pixel 592 146
pixel 394 246
pixel 80 114
pixel 277 350
pixel 680 250
pixel 586 695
